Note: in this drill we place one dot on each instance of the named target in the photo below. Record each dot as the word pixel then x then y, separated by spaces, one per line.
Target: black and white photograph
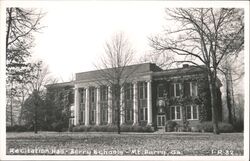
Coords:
pixel 124 80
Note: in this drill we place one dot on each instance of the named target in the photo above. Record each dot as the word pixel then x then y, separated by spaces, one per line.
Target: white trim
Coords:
pixel 175 89
pixel 175 112
pixel 191 88
pixel 192 114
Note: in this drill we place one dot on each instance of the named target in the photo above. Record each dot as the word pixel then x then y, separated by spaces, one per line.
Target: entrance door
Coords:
pixel 160 120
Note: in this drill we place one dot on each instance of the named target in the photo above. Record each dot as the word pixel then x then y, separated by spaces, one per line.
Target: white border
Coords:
pixel 41 4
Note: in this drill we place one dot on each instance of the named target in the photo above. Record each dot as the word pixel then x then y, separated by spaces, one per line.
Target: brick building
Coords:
pixel 151 96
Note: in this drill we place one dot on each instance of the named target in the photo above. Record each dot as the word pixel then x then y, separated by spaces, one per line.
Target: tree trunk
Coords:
pixel 229 103
pixel 11 105
pixel 21 111
pixel 118 110
pixel 8 28
pixel 212 88
pixel 11 111
pixel 229 94
pixel 35 124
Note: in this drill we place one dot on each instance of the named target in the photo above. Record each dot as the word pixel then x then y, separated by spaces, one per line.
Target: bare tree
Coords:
pixel 36 87
pixel 113 71
pixel 20 25
pixel 232 69
pixel 203 36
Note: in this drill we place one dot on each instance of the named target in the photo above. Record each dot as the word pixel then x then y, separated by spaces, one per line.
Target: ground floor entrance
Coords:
pixel 161 119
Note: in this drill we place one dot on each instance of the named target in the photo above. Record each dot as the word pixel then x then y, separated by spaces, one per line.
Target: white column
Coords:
pixel 149 102
pixel 122 105
pixel 109 105
pixel 87 107
pixel 135 103
pixel 98 116
pixel 76 110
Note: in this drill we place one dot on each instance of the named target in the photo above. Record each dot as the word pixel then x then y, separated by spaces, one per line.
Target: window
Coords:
pixel 160 90
pixel 104 114
pixel 92 116
pixel 92 94
pixel 175 112
pixel 129 91
pixel 192 112
pixel 190 88
pixel 143 114
pixel 82 116
pixel 142 90
pixel 189 114
pixel 82 95
pixel 129 114
pixel 116 115
pixel 104 93
pixel 175 90
pixel 82 105
pixel 194 89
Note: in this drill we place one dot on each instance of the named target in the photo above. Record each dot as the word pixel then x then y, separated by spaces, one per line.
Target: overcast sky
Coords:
pixel 74 37
pixel 76 31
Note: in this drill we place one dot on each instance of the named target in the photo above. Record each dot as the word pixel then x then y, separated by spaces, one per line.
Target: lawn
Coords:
pixel 53 143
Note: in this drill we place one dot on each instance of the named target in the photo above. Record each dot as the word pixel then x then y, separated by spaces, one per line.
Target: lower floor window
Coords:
pixel 143 114
pixel 92 116
pixel 116 115
pixel 82 116
pixel 104 114
pixel 192 112
pixel 129 114
pixel 175 112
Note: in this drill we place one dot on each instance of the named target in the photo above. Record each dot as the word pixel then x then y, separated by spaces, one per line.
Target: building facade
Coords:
pixel 151 96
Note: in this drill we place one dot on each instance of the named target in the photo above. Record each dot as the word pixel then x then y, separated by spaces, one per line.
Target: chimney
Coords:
pixel 185 66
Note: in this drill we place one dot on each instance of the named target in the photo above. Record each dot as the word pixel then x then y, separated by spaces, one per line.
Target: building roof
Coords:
pixel 185 70
pixel 63 84
pixel 132 70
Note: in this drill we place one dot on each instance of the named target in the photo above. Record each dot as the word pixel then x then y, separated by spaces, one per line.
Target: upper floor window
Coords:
pixel 71 97
pixel 104 93
pixel 128 91
pixel 175 112
pixel 142 90
pixel 190 89
pixel 175 90
pixel 160 90
pixel 192 112
pixel 82 95
pixel 92 94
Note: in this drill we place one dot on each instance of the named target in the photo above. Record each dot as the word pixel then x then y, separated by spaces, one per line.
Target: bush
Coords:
pixel 19 128
pixel 208 127
pixel 239 126
pixel 205 126
pixel 225 127
pixel 194 129
pixel 112 128
pixel 170 126
pixel 58 126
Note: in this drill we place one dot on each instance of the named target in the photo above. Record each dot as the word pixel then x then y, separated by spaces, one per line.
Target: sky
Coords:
pixel 75 33
pixel 74 36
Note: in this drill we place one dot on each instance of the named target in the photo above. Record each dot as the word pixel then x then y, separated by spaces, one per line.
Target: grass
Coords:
pixel 51 143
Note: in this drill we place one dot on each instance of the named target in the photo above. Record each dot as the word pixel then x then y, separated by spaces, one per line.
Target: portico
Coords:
pixel 88 100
